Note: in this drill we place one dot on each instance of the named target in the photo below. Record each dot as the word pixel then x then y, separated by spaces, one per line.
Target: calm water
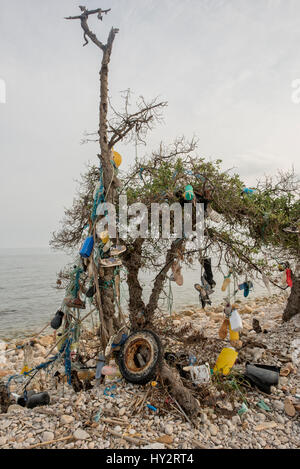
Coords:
pixel 29 299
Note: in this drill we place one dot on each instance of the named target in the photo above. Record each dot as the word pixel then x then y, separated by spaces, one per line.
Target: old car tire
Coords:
pixel 140 357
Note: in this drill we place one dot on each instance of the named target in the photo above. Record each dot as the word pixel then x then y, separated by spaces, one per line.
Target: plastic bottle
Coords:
pixel 225 360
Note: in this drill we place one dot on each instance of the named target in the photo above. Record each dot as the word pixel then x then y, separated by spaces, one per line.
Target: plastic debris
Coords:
pixel 192 360
pixel 108 390
pixel 262 376
pixel 263 406
pixel 243 409
pixel 236 323
pixel 151 407
pixel 225 360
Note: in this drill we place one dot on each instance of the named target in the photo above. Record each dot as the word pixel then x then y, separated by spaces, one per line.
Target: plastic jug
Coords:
pixel 225 360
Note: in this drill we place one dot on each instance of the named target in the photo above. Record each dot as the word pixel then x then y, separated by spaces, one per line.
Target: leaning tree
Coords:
pixel 244 228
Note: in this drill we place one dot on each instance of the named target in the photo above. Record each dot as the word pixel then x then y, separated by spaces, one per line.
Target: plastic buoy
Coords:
pixel 117 158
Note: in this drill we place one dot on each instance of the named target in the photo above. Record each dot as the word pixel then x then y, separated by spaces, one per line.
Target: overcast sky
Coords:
pixel 226 68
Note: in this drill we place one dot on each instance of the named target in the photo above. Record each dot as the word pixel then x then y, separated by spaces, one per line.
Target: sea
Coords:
pixel 29 297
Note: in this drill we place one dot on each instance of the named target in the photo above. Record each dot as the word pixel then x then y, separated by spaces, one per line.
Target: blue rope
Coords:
pixel 68 365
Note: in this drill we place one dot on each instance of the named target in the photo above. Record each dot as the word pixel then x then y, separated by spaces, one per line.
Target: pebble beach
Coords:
pixel 115 415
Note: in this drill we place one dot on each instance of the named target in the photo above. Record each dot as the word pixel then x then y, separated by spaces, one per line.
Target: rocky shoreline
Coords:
pixel 114 414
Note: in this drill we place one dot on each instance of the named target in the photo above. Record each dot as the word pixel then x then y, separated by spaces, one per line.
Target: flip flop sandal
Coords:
pixel 107 246
pixel 117 250
pixel 176 269
pixel 203 296
pixel 110 262
pixel 206 285
pixel 74 303
pixel 226 283
pixel 213 215
pixel 266 282
pixel 200 289
pixel 179 280
pixel 223 331
pixel 289 280
pixel 292 229
pixel 208 272
pixel 248 286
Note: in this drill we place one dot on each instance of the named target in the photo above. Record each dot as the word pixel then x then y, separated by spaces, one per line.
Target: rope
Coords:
pixel 170 298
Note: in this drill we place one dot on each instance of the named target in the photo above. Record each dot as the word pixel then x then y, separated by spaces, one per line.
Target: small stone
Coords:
pixel 46 340
pixel 3 440
pixel 278 405
pixel 48 436
pixel 15 407
pixel 289 408
pixel 168 429
pixel 213 430
pixel 80 434
pixel 118 429
pixel 66 419
pixel 236 420
pixel 122 411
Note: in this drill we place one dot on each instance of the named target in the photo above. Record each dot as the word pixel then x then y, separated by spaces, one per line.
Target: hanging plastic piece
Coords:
pixel 87 247
pixel 226 281
pixel 189 192
pixel 57 320
pixel 236 322
pixel 223 331
pixel 249 191
pixel 117 158
pixel 266 282
pixel 289 280
pixel 27 358
pixel 213 215
pixel 233 335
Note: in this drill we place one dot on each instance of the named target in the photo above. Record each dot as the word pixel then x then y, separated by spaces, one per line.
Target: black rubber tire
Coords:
pixel 149 345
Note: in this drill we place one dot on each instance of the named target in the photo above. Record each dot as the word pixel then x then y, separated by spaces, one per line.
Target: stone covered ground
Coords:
pixel 95 419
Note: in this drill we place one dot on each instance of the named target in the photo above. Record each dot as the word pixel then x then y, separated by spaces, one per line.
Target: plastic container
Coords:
pixel 233 335
pixel 87 247
pixel 236 322
pixel 57 320
pixel 42 398
pixel 189 192
pixel 225 360
pixel 200 374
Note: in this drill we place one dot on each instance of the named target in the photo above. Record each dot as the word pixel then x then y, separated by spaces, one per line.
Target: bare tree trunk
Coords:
pixel 104 297
pixel 109 182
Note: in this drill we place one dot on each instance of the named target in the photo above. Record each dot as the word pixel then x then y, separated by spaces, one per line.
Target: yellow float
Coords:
pixel 117 158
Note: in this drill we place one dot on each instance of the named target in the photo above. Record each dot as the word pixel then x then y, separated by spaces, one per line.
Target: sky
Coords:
pixel 229 69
